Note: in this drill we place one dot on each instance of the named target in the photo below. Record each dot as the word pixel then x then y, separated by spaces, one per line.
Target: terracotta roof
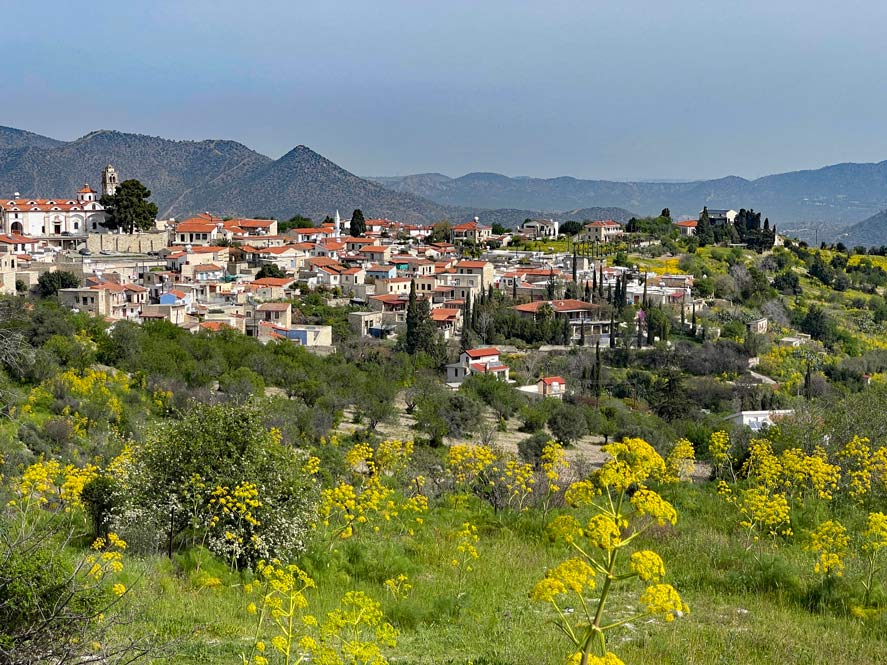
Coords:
pixel 603 223
pixel 482 353
pixel 548 380
pixel 484 368
pixel 207 267
pixel 273 281
pixel 690 223
pixel 472 264
pixel 86 189
pixel 16 239
pixel 49 205
pixel 274 307
pixel 556 305
pixel 195 226
pixel 444 314
pixel 214 326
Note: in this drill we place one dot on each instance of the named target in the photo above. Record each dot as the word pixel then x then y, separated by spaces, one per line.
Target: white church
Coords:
pixel 60 219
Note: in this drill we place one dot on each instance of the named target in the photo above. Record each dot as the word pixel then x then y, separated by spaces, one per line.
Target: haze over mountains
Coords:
pixel 224 177
pixel 229 178
pixel 833 196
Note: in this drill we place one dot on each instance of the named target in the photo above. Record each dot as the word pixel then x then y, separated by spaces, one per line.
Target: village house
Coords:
pixel 447 320
pixel 540 229
pixel 581 315
pixel 376 254
pixel 757 420
pixel 687 227
pixel 379 271
pixel 552 386
pixel 472 232
pixel 305 335
pixel 477 361
pixel 482 269
pixel 719 217
pixel 603 231
pixel 202 229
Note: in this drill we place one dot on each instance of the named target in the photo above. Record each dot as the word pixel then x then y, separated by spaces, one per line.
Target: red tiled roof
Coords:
pixel 48 205
pixel 548 380
pixel 444 314
pixel 556 305
pixel 214 326
pixel 603 223
pixel 472 264
pixel 273 281
pixel 482 353
pixel 484 368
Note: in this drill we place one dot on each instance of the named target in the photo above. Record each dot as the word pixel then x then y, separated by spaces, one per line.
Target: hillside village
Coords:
pixel 390 405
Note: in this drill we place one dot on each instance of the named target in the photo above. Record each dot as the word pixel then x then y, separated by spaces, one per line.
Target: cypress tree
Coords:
pixel 597 370
pixel 412 342
pixel 612 331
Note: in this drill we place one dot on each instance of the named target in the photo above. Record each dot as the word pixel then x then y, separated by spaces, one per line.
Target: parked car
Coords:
pixel 85 252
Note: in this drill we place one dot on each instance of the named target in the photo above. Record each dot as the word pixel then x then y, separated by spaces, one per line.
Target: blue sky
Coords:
pixel 619 90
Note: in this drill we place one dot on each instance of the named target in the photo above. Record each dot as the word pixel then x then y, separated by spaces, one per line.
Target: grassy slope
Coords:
pixel 742 611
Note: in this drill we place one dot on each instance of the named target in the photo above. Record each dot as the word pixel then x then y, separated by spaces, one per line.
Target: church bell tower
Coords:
pixel 109 180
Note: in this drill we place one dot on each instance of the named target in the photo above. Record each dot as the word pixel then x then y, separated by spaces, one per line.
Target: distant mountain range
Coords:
pixel 226 178
pixel 833 196
pixel 868 232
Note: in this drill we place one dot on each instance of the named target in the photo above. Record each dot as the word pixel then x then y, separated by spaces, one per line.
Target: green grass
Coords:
pixel 768 608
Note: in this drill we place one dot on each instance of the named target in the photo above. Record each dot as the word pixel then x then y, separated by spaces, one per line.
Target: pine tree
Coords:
pixel 129 209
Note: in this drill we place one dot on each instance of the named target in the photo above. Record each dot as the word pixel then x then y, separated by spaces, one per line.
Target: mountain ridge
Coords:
pixel 224 176
pixel 833 195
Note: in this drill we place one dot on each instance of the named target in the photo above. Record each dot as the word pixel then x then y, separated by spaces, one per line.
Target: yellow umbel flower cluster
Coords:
pixel 663 600
pixel 830 542
pixel 615 493
pixel 49 484
pixel 647 565
pixel 574 575
pixel 633 462
pixel 554 465
pixel 498 477
pixel 680 462
pixel 348 507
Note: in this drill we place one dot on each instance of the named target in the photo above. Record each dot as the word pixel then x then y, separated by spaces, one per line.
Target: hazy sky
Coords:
pixel 626 89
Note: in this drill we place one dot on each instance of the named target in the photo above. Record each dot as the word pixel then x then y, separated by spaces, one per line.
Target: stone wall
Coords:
pixel 137 242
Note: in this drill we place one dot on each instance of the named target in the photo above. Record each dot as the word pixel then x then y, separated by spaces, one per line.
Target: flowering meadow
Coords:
pixel 466 554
